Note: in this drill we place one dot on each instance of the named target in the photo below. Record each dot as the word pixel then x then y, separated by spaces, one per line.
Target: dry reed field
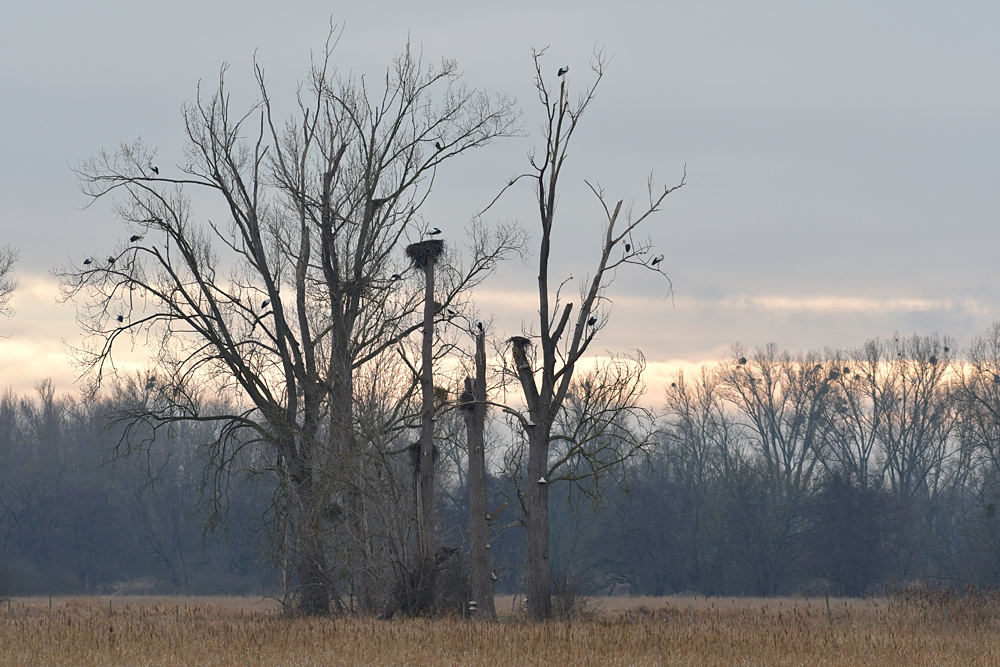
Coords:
pixel 909 628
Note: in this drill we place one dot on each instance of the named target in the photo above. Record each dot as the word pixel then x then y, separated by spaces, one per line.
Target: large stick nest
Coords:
pixel 467 401
pixel 520 341
pixel 425 253
pixel 414 450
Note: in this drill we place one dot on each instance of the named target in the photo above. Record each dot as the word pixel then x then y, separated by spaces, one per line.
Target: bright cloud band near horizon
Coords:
pixel 681 334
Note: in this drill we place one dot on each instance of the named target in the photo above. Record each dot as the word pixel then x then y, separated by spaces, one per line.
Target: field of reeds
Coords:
pixel 903 627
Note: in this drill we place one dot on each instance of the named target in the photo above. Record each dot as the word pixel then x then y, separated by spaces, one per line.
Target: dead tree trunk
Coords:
pixel 538 426
pixel 537 574
pixel 315 587
pixel 474 405
pixel 424 255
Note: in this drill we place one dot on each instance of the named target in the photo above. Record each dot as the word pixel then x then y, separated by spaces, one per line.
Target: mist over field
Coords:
pixel 771 474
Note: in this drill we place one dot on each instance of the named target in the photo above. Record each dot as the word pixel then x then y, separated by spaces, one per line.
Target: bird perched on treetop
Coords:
pixel 121 318
pixel 563 70
pixel 592 321
pixel 657 260
pixel 479 325
pixel 434 232
pixel 135 237
pixel 437 145
pixel 111 260
pixel 396 276
pixel 155 169
pixel 628 248
pixel 87 261
pixel 265 304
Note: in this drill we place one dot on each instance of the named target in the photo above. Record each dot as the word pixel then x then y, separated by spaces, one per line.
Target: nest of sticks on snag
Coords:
pixel 425 253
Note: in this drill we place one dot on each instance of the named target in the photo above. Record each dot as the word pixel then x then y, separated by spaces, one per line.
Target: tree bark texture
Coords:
pixel 474 405
pixel 314 585
pixel 538 582
pixel 536 509
pixel 314 581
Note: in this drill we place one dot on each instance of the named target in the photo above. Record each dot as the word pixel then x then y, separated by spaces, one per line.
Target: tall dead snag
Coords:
pixel 424 256
pixel 599 440
pixel 473 404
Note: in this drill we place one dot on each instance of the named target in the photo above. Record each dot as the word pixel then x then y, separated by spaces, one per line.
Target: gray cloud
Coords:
pixel 841 157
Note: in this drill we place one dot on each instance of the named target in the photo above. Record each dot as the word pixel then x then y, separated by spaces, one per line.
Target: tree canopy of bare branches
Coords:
pixel 8 257
pixel 304 283
pixel 584 418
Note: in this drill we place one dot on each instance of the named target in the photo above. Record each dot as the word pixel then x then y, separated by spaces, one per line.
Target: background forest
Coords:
pixel 772 474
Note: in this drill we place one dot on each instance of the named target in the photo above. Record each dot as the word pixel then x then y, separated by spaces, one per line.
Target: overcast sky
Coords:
pixel 842 158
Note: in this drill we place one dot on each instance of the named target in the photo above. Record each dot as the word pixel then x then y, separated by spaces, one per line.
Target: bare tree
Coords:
pixel 785 401
pixel 547 381
pixel 918 413
pixel 980 397
pixel 305 283
pixel 8 257
pixel 702 444
pixel 915 442
pixel 979 434
pixel 858 413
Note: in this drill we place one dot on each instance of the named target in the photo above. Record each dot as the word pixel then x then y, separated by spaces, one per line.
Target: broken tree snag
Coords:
pixel 473 404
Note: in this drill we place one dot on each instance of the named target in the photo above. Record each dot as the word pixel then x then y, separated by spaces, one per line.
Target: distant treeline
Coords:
pixel 775 473
pixel 822 472
pixel 74 519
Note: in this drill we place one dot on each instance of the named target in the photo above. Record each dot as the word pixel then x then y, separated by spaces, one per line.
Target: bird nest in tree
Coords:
pixel 467 401
pixel 520 341
pixel 414 450
pixel 425 253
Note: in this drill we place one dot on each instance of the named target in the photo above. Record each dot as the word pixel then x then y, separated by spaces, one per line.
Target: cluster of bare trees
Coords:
pixel 319 345
pixel 833 471
pixel 320 312
pixel 769 473
pixel 291 305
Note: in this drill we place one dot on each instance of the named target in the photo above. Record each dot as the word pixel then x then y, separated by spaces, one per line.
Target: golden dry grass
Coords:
pixel 83 632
